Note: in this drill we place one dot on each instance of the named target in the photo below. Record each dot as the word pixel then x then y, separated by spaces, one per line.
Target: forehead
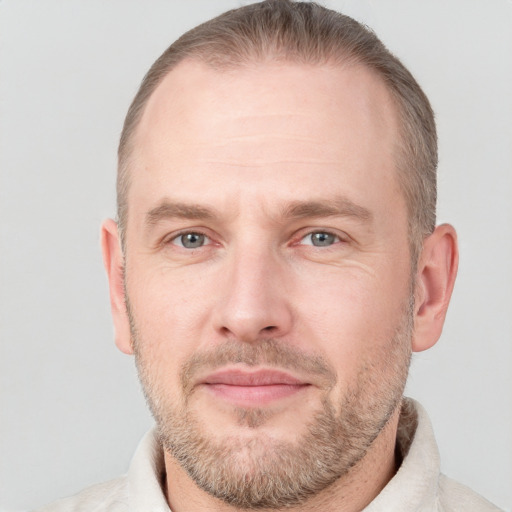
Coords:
pixel 193 96
pixel 271 122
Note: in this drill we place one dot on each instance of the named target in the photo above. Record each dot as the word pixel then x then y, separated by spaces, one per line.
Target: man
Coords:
pixel 274 263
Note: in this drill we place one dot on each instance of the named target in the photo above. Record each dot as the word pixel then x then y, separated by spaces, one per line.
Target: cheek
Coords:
pixel 170 314
pixel 353 315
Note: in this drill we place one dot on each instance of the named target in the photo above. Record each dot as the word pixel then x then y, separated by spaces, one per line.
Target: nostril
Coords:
pixel 270 328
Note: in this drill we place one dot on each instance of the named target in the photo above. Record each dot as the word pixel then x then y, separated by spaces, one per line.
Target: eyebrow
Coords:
pixel 337 207
pixel 168 210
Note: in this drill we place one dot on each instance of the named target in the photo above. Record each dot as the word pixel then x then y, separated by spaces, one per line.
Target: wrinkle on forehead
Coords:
pixel 194 99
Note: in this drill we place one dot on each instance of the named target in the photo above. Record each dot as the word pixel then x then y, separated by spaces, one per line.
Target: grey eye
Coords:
pixel 190 240
pixel 321 239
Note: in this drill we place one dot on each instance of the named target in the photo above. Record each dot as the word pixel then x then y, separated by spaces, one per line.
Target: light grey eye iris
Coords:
pixel 322 239
pixel 192 240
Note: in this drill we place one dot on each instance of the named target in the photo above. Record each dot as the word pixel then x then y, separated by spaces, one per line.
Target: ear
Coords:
pixel 114 265
pixel 437 269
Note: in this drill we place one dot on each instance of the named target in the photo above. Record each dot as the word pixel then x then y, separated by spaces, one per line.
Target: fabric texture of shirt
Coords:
pixel 417 486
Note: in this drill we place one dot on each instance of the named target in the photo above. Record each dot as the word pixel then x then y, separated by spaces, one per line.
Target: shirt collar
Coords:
pixel 415 484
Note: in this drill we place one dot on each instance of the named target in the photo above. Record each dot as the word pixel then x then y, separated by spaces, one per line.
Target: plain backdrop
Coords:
pixel 71 409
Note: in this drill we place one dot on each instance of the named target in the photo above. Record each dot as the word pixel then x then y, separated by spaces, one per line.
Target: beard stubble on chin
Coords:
pixel 260 472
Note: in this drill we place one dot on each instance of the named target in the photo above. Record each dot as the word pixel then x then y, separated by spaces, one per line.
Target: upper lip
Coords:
pixel 261 377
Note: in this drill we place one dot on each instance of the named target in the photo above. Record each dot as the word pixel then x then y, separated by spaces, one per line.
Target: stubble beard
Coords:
pixel 262 472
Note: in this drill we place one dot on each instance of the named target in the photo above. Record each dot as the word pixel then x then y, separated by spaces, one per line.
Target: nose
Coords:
pixel 253 303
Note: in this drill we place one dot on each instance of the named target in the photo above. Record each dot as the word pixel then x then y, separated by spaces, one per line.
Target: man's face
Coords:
pixel 268 273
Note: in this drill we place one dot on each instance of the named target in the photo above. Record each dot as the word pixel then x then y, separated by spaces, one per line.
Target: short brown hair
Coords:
pixel 305 33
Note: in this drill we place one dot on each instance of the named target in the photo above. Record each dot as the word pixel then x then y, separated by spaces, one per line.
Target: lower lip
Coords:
pixel 255 395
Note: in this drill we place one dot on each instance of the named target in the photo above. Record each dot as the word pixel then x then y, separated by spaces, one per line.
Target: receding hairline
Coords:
pixel 128 145
pixel 233 66
pixel 350 65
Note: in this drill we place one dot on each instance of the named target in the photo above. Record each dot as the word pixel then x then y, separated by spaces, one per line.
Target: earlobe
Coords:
pixel 114 265
pixel 435 278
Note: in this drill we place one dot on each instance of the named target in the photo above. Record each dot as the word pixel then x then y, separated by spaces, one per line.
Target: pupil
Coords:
pixel 192 240
pixel 322 239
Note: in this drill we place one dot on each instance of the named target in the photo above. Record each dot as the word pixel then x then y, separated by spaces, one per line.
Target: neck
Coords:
pixel 350 493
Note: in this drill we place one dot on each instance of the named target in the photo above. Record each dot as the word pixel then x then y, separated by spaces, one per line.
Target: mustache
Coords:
pixel 268 352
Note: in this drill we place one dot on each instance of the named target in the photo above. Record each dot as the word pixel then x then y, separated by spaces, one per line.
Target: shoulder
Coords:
pixel 111 496
pixel 454 496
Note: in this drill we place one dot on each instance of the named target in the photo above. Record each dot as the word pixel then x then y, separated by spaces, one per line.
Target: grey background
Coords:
pixel 71 412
